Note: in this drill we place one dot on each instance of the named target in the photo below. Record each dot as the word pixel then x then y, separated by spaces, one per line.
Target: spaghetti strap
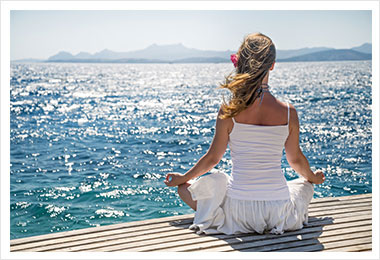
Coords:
pixel 288 113
pixel 233 120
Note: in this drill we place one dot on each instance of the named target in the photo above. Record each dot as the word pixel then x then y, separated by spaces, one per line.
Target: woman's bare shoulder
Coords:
pixel 221 112
pixel 227 122
pixel 285 105
pixel 293 117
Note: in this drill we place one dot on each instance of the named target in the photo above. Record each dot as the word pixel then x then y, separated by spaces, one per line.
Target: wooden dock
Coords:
pixel 335 224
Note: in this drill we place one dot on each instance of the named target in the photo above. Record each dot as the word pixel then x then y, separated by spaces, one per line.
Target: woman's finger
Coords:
pixel 168 179
pixel 169 176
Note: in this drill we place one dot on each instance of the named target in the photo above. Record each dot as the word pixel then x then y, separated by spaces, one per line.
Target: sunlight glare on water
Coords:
pixel 91 143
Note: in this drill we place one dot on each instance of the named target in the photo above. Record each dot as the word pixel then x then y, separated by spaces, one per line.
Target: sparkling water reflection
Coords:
pixel 91 143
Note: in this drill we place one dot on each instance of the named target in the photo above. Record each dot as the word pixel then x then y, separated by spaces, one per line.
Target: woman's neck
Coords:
pixel 265 79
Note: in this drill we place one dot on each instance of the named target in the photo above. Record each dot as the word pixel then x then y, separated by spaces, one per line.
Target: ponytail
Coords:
pixel 255 57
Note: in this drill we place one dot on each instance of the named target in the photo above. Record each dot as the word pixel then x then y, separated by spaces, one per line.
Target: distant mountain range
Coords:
pixel 331 55
pixel 178 53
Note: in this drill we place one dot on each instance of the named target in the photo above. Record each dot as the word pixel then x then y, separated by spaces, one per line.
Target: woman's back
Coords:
pixel 268 113
pixel 256 150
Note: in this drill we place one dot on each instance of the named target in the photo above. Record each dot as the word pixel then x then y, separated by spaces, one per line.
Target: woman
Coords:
pixel 256 126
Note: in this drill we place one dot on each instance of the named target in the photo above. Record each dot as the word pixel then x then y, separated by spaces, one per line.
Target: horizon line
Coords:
pixel 180 43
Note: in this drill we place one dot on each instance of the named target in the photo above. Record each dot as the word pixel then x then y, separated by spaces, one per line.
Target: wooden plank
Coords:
pixel 71 233
pixel 305 239
pixel 330 241
pixel 337 203
pixel 339 211
pixel 293 246
pixel 285 243
pixel 87 240
pixel 170 228
pixel 354 248
pixel 342 206
pixel 320 247
pixel 154 239
pixel 126 230
pixel 355 198
pixel 350 242
pixel 133 230
pixel 348 214
pixel 155 234
pixel 151 221
pixel 217 240
pixel 302 231
pixel 308 248
pixel 144 222
pixel 109 235
pixel 343 218
pixel 341 198
pixel 176 242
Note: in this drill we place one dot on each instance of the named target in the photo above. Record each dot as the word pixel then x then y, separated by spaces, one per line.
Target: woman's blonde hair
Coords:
pixel 255 57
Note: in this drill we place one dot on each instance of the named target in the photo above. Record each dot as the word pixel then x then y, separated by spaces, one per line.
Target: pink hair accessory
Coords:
pixel 234 59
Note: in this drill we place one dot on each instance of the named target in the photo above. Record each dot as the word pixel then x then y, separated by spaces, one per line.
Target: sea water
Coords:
pixel 91 143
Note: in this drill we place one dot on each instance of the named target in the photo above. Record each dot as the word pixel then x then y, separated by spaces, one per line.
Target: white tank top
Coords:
pixel 256 153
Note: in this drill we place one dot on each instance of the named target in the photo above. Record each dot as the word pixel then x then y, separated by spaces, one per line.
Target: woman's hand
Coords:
pixel 174 179
pixel 319 177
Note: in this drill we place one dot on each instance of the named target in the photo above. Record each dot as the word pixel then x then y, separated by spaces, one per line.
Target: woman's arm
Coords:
pixel 294 155
pixel 210 159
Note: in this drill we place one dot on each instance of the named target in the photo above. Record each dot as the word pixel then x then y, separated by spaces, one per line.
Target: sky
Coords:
pixel 41 34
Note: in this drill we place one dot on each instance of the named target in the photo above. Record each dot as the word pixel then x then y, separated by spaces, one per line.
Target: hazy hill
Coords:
pixel 178 53
pixel 331 55
pixel 62 55
pixel 83 55
pixel 169 53
pixel 284 54
pixel 365 48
